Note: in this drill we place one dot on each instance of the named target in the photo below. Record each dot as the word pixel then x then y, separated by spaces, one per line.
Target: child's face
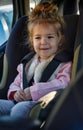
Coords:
pixel 45 40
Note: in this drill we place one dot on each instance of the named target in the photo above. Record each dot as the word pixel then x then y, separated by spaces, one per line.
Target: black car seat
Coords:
pixel 70 7
pixel 80 38
pixel 78 48
pixel 16 49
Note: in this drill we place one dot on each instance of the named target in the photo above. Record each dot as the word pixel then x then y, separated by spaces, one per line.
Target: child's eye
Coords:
pixel 37 37
pixel 50 37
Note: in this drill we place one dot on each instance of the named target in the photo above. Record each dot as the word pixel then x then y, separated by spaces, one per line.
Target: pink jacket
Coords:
pixel 40 89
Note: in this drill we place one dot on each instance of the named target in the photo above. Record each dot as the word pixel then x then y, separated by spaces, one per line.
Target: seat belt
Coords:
pixel 46 74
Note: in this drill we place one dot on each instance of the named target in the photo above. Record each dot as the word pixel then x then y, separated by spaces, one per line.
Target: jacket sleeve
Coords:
pixel 61 81
pixel 17 84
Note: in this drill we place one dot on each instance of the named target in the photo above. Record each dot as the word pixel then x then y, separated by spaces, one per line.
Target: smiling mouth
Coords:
pixel 44 48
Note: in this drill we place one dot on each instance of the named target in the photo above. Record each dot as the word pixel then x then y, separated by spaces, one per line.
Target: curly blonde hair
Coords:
pixel 45 13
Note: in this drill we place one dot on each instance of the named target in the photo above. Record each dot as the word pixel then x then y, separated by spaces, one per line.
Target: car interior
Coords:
pixel 64 110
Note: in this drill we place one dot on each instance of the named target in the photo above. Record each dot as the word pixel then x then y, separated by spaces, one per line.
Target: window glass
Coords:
pixel 33 3
pixel 6 16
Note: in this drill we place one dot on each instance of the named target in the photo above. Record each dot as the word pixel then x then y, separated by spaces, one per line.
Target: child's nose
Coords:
pixel 44 41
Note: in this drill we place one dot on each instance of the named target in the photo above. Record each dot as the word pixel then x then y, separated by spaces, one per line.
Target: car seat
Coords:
pixel 16 49
pixel 78 48
pixel 70 7
pixel 80 38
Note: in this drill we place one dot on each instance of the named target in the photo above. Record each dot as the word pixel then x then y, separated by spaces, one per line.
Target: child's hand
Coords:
pixel 20 96
pixel 27 93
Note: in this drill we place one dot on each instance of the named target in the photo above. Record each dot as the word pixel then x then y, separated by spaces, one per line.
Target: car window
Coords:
pixel 33 3
pixel 6 17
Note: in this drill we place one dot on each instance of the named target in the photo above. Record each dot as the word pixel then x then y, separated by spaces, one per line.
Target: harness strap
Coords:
pixel 46 74
pixel 52 66
pixel 24 61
